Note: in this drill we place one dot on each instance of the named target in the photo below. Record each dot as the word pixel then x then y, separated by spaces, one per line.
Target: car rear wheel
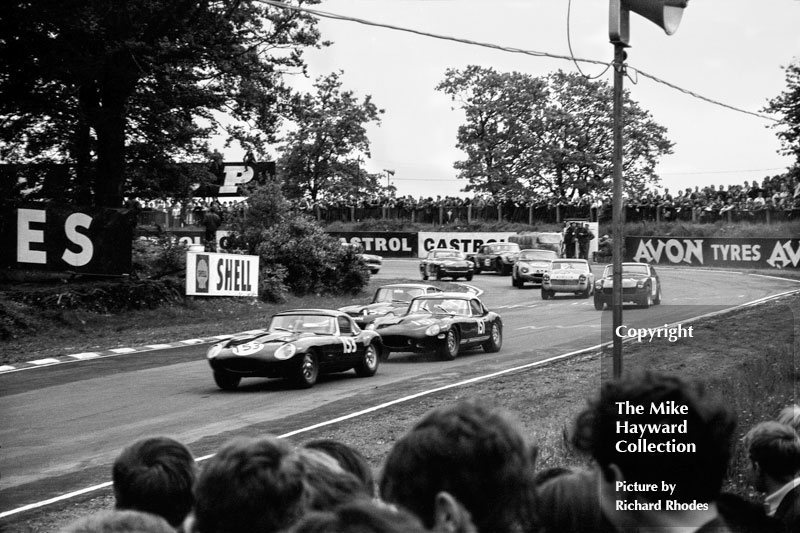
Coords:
pixel 495 341
pixel 657 299
pixel 369 362
pixel 438 274
pixel 306 371
pixel 424 271
pixel 468 277
pixel 225 380
pixel 448 349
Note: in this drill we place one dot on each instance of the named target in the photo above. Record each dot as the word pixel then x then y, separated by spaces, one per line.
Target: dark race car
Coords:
pixel 373 262
pixel 446 263
pixel 496 256
pixel 531 266
pixel 298 345
pixel 388 300
pixel 446 323
pixel 640 285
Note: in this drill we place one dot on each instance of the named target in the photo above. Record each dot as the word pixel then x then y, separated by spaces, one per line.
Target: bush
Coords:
pixel 158 254
pixel 270 284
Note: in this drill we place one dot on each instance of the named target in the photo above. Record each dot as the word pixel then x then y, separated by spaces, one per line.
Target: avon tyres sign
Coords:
pixel 68 238
pixel 732 253
pixel 212 274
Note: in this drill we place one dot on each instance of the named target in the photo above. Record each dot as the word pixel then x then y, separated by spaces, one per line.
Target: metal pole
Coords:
pixel 617 214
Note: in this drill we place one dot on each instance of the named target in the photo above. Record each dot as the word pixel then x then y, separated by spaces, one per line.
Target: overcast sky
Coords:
pixel 732 51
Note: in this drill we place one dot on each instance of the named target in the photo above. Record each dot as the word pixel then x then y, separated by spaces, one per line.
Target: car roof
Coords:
pixel 447 295
pixel 322 312
pixel 572 260
pixel 410 285
pixel 542 250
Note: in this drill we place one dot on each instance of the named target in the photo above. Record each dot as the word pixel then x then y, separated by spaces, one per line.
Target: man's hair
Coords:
pixel 155 475
pixel 348 457
pixel 473 452
pixel 698 475
pixel 790 415
pixel 327 484
pixel 120 521
pixel 362 516
pixel 776 448
pixel 252 485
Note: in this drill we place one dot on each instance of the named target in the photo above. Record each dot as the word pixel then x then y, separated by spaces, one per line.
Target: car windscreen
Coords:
pixel 319 324
pixel 396 294
pixel 446 255
pixel 627 269
pixel 537 255
pixel 549 239
pixel 440 306
pixel 569 265
pixel 504 247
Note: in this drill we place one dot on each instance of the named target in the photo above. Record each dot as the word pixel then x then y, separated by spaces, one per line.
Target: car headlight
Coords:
pixel 364 312
pixel 433 330
pixel 546 277
pixel 640 283
pixel 582 278
pixel 598 284
pixel 214 351
pixel 286 351
pixel 524 270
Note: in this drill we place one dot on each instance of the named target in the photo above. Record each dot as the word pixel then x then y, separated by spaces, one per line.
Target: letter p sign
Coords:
pixel 236 175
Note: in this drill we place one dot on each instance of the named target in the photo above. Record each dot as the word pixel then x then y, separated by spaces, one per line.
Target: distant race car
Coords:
pixel 446 323
pixel 640 285
pixel 496 256
pixel 531 265
pixel 299 345
pixel 374 262
pixel 446 263
pixel 568 275
pixel 388 300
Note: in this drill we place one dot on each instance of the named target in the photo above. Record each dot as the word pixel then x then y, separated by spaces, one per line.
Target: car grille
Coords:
pixel 396 341
pixel 625 290
pixel 244 365
pixel 564 282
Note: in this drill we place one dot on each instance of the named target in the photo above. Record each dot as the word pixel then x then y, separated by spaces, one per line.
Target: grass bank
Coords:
pixel 747 357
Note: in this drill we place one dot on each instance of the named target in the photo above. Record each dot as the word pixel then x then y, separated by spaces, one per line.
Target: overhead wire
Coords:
pixel 571 58
pixel 572 55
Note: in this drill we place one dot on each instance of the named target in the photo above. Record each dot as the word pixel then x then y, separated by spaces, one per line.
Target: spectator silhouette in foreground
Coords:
pixel 461 468
pixel 625 490
pixel 348 457
pixel 252 485
pixel 155 475
pixel 118 521
pixel 362 516
pixel 774 451
pixel 327 484
pixel 790 415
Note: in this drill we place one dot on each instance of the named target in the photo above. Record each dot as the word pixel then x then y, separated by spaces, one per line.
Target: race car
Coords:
pixel 640 285
pixel 495 256
pixel 531 265
pixel 568 275
pixel 298 345
pixel 388 300
pixel 446 262
pixel 446 323
pixel 373 262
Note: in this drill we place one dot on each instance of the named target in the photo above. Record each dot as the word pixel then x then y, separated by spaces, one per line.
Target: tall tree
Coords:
pixel 787 105
pixel 323 154
pixel 105 83
pixel 551 134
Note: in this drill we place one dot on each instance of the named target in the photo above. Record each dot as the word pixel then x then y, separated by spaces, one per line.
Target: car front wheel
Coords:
pixel 599 302
pixel 225 380
pixel 647 300
pixel 307 370
pixel 448 349
pixel 657 299
pixel 369 362
pixel 546 294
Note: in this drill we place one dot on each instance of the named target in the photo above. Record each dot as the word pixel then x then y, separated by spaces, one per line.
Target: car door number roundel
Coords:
pixel 481 327
pixel 349 344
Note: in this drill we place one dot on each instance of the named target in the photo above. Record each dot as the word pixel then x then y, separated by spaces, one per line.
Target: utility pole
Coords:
pixel 666 14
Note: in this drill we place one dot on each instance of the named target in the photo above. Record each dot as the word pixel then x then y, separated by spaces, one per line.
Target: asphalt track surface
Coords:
pixel 64 424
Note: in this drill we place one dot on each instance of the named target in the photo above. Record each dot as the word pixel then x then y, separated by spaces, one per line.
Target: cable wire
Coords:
pixel 335 16
pixel 572 55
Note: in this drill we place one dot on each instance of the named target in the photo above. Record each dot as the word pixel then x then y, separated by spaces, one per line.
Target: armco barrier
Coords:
pixel 749 253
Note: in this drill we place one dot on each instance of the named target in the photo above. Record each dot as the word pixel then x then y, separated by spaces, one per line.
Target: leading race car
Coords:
pixel 390 299
pixel 299 345
pixel 445 322
pixel 531 266
pixel 446 262
pixel 568 275
pixel 640 285
pixel 495 256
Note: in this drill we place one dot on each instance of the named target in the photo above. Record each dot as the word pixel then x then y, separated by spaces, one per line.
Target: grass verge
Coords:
pixel 748 357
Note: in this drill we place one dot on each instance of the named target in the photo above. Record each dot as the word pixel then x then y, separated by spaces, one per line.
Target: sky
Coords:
pixel 731 51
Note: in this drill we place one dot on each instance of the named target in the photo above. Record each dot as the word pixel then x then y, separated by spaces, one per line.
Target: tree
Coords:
pixel 323 154
pixel 102 84
pixel 787 105
pixel 551 134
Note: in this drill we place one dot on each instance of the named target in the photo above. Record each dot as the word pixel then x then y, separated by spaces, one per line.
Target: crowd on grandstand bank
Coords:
pixel 467 467
pixel 775 199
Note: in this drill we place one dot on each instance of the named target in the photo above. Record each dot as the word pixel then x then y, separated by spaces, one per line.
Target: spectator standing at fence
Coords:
pixel 570 237
pixel 584 236
pixel 211 223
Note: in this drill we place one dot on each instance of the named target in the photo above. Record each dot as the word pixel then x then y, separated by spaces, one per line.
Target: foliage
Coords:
pixel 105 84
pixel 787 104
pixel 552 134
pixel 271 287
pixel 296 253
pixel 323 155
pixel 158 255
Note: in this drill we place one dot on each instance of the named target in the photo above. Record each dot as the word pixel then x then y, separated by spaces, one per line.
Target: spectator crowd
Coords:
pixel 466 467
pixel 775 199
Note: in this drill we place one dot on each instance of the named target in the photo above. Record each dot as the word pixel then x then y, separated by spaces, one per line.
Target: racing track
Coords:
pixel 63 425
